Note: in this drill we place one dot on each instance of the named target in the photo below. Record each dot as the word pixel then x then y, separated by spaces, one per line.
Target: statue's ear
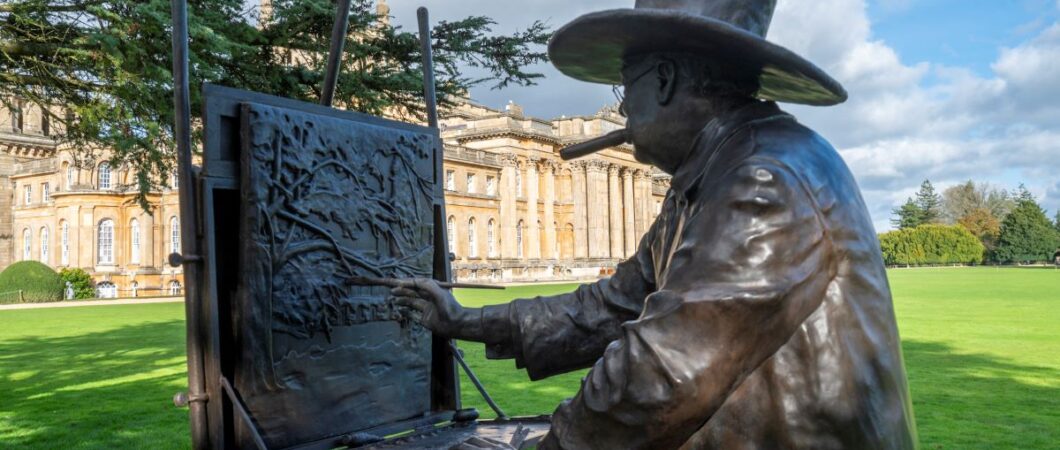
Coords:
pixel 666 74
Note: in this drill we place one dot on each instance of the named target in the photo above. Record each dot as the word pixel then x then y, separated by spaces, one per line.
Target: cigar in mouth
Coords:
pixel 594 145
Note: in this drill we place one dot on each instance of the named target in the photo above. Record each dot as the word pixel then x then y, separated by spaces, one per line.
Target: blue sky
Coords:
pixel 946 90
pixel 966 33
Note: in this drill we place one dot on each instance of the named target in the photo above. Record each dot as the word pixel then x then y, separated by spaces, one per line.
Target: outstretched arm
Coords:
pixel 557 334
pixel 546 335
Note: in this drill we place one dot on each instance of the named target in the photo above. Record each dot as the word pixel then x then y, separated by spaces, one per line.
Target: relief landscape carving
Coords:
pixel 325 199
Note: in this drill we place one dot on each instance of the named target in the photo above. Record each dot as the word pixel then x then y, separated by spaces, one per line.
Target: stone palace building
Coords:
pixel 516 212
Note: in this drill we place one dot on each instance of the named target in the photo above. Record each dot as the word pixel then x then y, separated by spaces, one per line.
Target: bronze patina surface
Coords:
pixel 323 201
pixel 756 313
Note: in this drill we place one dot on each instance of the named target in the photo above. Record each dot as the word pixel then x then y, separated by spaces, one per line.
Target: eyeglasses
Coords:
pixel 619 90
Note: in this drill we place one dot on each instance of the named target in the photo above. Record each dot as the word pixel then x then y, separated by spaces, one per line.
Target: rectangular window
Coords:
pixel 134 231
pixel 450 180
pixel 45 193
pixel 105 242
pixel 29 194
pixel 491 185
pixel 471 189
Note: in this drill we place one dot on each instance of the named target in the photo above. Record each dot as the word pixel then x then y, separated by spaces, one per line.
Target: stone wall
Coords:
pixel 7 197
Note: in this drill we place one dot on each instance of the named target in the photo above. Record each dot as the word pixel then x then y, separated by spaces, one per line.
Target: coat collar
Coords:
pixel 709 143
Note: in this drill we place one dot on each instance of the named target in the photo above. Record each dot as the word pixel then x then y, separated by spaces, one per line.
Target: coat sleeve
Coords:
pixel 750 267
pixel 557 334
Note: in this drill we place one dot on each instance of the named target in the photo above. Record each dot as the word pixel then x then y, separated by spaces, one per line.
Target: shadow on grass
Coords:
pixel 112 390
pixel 965 401
pixel 99 390
pixel 961 401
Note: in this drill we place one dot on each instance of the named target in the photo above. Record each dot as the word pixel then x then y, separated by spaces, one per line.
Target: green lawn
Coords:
pixel 982 348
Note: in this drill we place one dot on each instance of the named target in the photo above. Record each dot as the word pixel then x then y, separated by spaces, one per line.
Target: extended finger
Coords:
pixel 416 303
pixel 404 292
pixel 429 286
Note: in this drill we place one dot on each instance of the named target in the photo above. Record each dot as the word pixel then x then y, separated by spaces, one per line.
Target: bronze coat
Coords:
pixel 756 313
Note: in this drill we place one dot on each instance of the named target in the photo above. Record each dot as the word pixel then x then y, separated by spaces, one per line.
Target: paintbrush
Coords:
pixel 399 282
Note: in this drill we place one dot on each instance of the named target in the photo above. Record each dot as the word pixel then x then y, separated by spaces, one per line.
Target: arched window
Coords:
pixel 174 287
pixel 134 289
pixel 27 245
pixel 134 241
pixel 64 243
pixel 106 289
pixel 519 239
pixel 174 235
pixel 491 237
pixel 105 242
pixel 472 242
pixel 69 169
pixel 450 233
pixel 104 176
pixel 44 245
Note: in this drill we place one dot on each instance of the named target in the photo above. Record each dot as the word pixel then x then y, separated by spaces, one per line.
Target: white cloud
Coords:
pixel 904 123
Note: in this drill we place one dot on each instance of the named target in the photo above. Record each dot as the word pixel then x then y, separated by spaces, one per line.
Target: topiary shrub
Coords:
pixel 81 282
pixel 38 283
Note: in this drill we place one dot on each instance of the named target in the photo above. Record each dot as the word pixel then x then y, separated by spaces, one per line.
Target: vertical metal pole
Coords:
pixel 428 67
pixel 338 41
pixel 189 219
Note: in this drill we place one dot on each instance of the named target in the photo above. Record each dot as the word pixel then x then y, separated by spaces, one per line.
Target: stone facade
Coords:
pixel 541 218
pixel 515 211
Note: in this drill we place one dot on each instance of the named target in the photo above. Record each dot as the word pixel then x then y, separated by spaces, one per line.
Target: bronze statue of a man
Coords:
pixel 756 312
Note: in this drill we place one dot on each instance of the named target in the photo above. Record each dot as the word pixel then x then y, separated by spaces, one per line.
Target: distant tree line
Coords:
pixel 970 223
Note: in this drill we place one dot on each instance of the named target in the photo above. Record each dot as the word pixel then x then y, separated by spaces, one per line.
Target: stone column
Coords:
pixel 649 201
pixel 73 218
pixel 614 194
pixel 86 227
pixel 548 172
pixel 599 239
pixel 509 213
pixel 532 234
pixel 578 188
pixel 147 240
pixel 628 221
pixel 640 203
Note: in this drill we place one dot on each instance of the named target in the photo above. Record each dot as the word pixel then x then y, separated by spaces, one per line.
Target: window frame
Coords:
pixel 134 241
pixel 43 249
pixel 174 234
pixel 104 168
pixel 107 244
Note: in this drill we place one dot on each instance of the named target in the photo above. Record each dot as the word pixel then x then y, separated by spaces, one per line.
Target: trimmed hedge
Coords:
pixel 38 283
pixel 931 244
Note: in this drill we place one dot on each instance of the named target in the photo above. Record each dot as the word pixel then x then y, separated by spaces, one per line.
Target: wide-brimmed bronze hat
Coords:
pixel 731 32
